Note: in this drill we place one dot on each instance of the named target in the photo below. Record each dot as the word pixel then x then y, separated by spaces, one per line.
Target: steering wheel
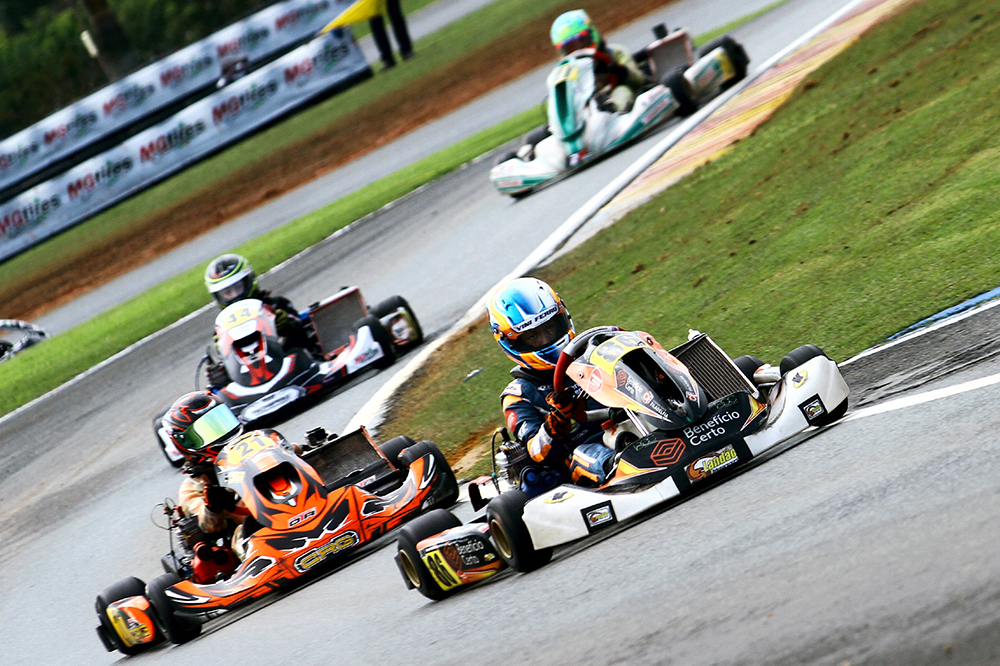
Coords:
pixel 574 350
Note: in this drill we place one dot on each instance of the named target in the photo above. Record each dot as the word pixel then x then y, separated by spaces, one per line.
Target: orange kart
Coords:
pixel 298 527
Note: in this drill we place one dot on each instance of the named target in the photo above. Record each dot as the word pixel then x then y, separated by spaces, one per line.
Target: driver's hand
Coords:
pixel 281 319
pixel 219 499
pixel 557 425
pixel 567 405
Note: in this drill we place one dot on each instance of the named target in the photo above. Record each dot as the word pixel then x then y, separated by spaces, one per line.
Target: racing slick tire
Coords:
pixel 748 365
pixel 393 448
pixel 509 533
pixel 674 80
pixel 177 629
pixel 123 589
pixel 415 572
pixel 394 303
pixel 382 337
pixel 797 357
pixel 159 442
pixel 505 156
pixel 450 484
pixel 737 55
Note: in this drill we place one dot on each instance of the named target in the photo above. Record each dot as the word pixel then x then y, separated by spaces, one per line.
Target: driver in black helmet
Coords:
pixel 231 278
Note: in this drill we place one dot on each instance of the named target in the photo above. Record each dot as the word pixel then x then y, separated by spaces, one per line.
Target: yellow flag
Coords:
pixel 362 10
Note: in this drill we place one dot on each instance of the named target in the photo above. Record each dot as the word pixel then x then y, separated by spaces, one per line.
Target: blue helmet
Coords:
pixel 530 323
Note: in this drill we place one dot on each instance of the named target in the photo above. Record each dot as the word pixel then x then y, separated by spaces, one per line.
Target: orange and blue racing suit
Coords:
pixel 581 455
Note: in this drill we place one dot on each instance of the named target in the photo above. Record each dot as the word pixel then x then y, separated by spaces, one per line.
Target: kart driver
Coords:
pixel 614 66
pixel 531 324
pixel 200 426
pixel 231 278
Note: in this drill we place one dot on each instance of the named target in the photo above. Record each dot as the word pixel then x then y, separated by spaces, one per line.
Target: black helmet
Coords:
pixel 200 425
pixel 230 278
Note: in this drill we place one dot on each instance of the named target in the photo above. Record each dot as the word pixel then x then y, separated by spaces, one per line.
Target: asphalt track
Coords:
pixel 871 542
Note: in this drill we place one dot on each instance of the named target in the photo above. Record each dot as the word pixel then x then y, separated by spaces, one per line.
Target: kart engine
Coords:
pixel 511 460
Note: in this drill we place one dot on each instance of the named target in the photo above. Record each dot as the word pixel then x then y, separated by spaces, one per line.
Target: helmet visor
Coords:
pixel 219 424
pixel 581 41
pixel 539 337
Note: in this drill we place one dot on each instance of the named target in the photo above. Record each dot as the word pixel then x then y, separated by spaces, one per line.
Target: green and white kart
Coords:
pixel 581 129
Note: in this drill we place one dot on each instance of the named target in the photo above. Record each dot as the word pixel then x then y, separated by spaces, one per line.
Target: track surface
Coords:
pixel 871 542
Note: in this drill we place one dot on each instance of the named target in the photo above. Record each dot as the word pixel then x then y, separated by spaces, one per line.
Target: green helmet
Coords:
pixel 573 31
pixel 230 278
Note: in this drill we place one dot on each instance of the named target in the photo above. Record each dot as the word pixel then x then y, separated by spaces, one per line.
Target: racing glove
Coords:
pixel 219 499
pixel 217 375
pixel 557 425
pixel 281 321
pixel 568 405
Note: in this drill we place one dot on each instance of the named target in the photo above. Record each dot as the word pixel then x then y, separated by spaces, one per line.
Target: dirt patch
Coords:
pixel 352 136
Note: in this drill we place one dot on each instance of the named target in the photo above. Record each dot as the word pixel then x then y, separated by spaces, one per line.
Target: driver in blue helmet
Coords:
pixel 531 325
pixel 614 67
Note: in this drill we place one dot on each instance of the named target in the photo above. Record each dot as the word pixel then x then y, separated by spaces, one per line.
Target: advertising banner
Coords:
pixel 164 82
pixel 185 137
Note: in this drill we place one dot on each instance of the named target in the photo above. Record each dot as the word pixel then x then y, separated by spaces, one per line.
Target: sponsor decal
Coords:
pixel 176 138
pixel 331 54
pixel 489 557
pixel 130 630
pixel 511 420
pixel 710 464
pixel 107 175
pixel 710 429
pixel 558 496
pixel 621 378
pixel 129 98
pixel 234 477
pixel 534 320
pixel 596 382
pixel 503 183
pixel 76 127
pixel 305 14
pixel 577 158
pixel 315 556
pixel 514 388
pixel 799 378
pixel 20 220
pixel 302 517
pixel 248 100
pixel 245 42
pixel 19 156
pixel 366 356
pixel 599 516
pixel 647 397
pixel 813 408
pixel 469 547
pixel 667 451
pixel 173 76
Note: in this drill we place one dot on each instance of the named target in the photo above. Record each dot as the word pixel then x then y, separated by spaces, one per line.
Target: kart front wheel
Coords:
pixel 798 356
pixel 393 304
pixel 446 481
pixel 510 534
pixel 382 339
pixel 393 448
pixel 414 569
pixel 123 589
pixel 748 365
pixel 176 628
pixel 680 90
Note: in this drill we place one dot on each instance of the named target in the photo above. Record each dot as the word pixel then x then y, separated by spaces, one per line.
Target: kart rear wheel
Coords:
pixel 737 55
pixel 381 337
pixel 674 80
pixel 177 629
pixel 505 156
pixel 509 533
pixel 448 483
pixel 748 365
pixel 798 356
pixel 834 414
pixel 414 569
pixel 536 135
pixel 157 422
pixel 393 448
pixel 123 589
pixel 394 303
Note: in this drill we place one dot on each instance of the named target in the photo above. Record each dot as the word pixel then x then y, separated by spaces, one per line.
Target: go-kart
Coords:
pixel 299 527
pixel 17 335
pixel 675 419
pixel 581 128
pixel 264 381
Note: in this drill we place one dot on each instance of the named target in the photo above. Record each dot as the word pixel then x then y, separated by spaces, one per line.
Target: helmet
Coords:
pixel 530 323
pixel 200 424
pixel 230 278
pixel 573 31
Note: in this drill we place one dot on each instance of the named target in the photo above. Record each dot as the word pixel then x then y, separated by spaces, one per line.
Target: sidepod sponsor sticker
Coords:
pixel 558 496
pixel 707 465
pixel 812 409
pixel 799 378
pixel 599 516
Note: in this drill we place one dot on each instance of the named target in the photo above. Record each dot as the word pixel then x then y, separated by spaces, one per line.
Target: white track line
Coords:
pixel 921 398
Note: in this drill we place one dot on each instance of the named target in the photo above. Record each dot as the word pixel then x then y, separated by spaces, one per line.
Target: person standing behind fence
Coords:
pixel 398 21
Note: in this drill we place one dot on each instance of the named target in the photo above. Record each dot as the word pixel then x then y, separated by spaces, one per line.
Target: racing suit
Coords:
pixel 629 79
pixel 581 453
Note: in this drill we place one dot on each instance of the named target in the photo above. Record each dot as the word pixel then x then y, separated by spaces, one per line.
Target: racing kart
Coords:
pixel 299 527
pixel 264 381
pixel 581 128
pixel 17 335
pixel 675 420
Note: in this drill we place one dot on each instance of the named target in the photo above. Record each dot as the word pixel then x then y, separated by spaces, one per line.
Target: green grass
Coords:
pixel 868 202
pixel 42 368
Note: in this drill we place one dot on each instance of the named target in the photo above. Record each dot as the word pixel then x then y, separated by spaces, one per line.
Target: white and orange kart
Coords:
pixel 298 527
pixel 675 419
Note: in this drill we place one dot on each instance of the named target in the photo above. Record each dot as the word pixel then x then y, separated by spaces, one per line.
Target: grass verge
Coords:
pixel 869 201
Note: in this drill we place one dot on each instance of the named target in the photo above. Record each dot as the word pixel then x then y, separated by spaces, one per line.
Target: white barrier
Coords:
pixel 155 86
pixel 184 138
